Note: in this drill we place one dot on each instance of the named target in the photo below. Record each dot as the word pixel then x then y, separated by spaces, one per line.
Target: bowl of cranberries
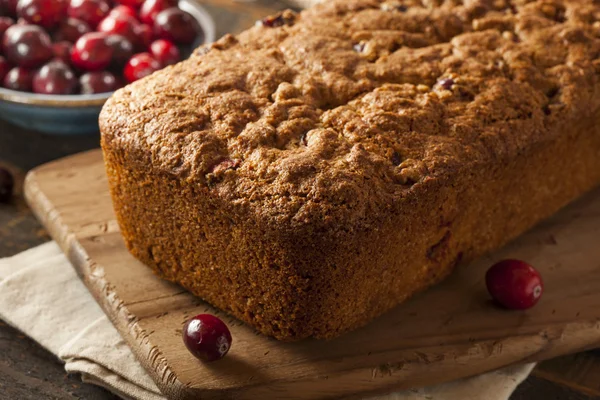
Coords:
pixel 60 60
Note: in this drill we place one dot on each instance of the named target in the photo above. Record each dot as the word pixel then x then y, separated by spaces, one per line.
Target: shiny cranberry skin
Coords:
pixel 122 49
pixel 71 29
pixel 140 66
pixel 92 52
pixel 55 78
pixel 9 7
pixel 4 67
pixel 89 11
pixel 120 25
pixel 165 52
pixel 98 82
pixel 131 3
pixel 19 78
pixel 122 10
pixel 62 51
pixel 207 337
pixel 514 284
pixel 46 13
pixel 7 184
pixel 5 23
pixel 145 35
pixel 27 45
pixel 151 8
pixel 176 25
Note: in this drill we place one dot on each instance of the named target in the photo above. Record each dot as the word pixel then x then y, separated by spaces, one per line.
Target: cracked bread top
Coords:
pixel 343 110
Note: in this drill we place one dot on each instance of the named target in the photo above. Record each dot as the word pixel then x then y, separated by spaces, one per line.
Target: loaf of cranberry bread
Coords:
pixel 322 167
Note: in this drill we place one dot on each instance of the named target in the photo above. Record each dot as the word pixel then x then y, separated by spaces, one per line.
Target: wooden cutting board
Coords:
pixel 448 332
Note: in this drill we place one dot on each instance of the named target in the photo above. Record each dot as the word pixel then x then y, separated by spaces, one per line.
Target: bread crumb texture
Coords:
pixel 306 140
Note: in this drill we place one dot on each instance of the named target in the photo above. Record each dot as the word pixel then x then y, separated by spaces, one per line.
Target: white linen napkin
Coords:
pixel 42 296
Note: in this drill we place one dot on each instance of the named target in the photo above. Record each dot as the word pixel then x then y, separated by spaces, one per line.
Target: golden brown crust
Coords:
pixel 309 176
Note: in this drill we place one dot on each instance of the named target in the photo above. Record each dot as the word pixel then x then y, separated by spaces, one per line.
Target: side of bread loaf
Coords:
pixel 321 168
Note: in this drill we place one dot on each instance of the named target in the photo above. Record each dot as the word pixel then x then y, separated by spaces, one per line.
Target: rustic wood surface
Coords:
pixel 29 372
pixel 448 332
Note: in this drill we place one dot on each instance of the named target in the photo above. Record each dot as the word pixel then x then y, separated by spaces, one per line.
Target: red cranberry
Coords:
pixel 144 33
pixel 71 29
pixel 120 25
pixel 98 82
pixel 7 184
pixel 19 78
pixel 55 78
pixel 151 8
pixel 122 49
pixel 92 52
pixel 126 11
pixel 4 67
pixel 176 25
pixel 46 13
pixel 62 51
pixel 140 66
pixel 165 52
pixel 207 337
pixel 9 7
pixel 131 3
pixel 514 284
pixel 89 11
pixel 5 23
pixel 27 45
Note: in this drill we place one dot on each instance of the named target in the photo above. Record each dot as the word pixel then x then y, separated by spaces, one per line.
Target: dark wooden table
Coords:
pixel 29 372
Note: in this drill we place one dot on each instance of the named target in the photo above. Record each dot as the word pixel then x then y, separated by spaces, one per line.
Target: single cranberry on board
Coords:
pixel 514 284
pixel 92 52
pixel 90 11
pixel 140 66
pixel 55 78
pixel 207 337
pixel 7 184
pixel 27 45
pixel 19 78
pixel 46 13
pixel 151 8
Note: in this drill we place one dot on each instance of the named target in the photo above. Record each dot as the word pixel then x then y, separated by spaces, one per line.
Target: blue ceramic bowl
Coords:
pixel 76 114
